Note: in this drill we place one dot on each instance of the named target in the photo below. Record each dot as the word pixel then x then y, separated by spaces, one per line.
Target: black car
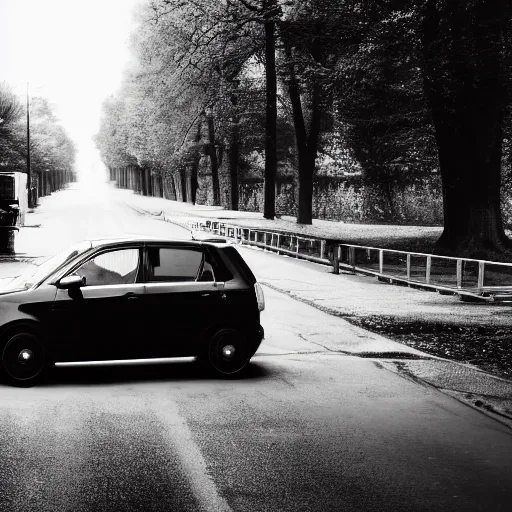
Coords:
pixel 131 299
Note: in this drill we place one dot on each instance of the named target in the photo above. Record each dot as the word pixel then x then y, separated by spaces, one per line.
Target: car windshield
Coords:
pixel 39 273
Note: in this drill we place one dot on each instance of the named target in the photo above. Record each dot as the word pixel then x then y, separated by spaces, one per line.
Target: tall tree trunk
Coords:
pixel 188 180
pixel 234 151
pixel 40 184
pixel 195 163
pixel 149 182
pixel 177 187
pixel 307 145
pixel 161 186
pixel 463 45
pixel 171 189
pixel 269 205
pixel 212 151
pixel 138 184
pixel 143 184
pixel 183 185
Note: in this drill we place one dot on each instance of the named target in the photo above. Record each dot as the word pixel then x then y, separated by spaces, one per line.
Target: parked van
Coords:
pixel 13 205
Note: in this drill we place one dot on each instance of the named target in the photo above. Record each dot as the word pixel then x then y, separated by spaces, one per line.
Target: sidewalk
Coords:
pixel 353 297
pixel 346 233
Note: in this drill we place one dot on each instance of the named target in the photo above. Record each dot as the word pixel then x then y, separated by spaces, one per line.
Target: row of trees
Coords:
pixel 409 88
pixel 52 152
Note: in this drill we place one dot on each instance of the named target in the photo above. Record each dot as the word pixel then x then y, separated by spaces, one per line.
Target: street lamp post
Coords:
pixel 30 205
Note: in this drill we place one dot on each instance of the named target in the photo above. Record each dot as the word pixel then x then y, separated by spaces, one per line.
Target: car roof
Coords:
pixel 107 242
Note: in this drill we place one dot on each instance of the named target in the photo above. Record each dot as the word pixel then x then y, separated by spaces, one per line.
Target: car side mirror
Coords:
pixel 70 282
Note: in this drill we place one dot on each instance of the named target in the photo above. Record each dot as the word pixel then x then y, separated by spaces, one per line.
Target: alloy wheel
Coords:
pixel 23 358
pixel 228 353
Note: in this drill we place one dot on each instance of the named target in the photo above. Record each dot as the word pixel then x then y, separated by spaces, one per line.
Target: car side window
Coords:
pixel 110 268
pixel 171 264
pixel 207 273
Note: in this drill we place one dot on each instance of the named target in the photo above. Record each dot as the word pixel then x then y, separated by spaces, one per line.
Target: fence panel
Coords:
pixel 443 272
pixel 497 275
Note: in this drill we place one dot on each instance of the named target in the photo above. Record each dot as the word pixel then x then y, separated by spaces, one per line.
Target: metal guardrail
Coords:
pixel 468 278
pixel 481 279
pixel 311 249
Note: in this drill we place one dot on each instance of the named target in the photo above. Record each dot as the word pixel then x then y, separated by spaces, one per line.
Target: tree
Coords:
pixel 52 151
pixel 265 12
pixel 188 55
pixel 314 35
pixel 188 73
pixel 112 138
pixel 466 81
pixel 380 108
pixel 12 134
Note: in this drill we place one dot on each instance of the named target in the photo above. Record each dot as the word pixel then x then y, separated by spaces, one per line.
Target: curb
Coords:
pixel 473 400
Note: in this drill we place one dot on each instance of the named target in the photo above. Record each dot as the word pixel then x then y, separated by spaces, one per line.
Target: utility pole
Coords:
pixel 30 205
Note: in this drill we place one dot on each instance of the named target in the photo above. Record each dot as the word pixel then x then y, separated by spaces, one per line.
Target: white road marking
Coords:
pixel 194 466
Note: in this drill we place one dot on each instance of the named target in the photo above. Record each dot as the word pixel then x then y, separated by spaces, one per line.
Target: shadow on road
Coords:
pixel 146 372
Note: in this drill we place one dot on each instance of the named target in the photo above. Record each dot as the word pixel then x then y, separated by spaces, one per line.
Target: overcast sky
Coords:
pixel 71 51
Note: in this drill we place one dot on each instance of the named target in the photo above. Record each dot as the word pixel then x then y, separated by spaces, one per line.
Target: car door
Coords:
pixel 102 320
pixel 181 299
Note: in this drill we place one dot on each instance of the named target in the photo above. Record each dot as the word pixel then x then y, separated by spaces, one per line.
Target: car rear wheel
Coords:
pixel 228 352
pixel 23 359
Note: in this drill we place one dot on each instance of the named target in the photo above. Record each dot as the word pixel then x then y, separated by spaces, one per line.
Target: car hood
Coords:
pixel 7 288
pixel 9 292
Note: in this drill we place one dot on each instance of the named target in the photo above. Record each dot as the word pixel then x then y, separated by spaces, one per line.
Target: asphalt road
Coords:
pixel 306 429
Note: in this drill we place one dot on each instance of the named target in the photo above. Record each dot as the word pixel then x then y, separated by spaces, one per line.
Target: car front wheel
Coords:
pixel 23 359
pixel 228 352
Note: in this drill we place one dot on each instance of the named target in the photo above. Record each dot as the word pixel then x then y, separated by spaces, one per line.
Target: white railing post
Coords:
pixel 408 267
pixel 428 269
pixel 322 249
pixel 481 274
pixel 381 261
pixel 297 248
pixel 352 257
pixel 336 253
pixel 459 273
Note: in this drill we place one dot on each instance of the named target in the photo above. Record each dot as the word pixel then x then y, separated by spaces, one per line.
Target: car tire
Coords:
pixel 228 352
pixel 23 360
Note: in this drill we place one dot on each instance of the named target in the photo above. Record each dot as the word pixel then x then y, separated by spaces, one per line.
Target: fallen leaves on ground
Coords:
pixel 488 348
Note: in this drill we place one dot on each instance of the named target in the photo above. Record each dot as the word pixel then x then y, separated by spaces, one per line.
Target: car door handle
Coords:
pixel 131 296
